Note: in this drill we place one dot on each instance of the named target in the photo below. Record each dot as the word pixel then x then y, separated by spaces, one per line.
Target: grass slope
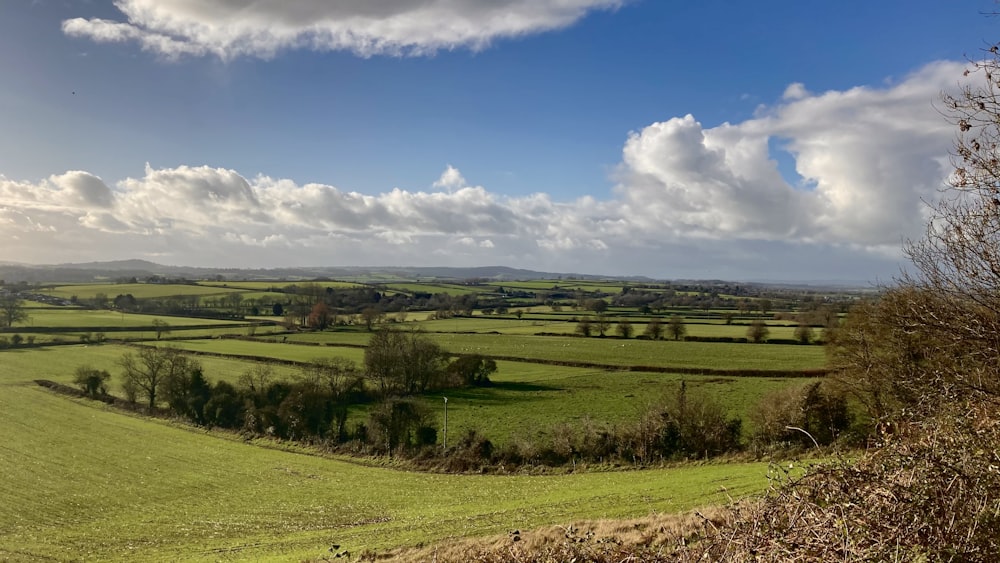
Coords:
pixel 85 483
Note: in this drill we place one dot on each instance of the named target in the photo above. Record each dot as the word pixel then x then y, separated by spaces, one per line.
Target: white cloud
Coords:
pixel 795 91
pixel 261 28
pixel 871 158
pixel 689 201
pixel 451 179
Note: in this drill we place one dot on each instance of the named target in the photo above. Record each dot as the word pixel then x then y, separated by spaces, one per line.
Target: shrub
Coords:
pixel 91 381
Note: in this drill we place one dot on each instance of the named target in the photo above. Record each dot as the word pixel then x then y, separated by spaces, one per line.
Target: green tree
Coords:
pixel 12 310
pixel 584 327
pixel 187 391
pixel 472 370
pixel 92 381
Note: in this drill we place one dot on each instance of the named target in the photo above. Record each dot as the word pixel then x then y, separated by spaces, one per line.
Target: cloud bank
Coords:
pixel 261 28
pixel 688 201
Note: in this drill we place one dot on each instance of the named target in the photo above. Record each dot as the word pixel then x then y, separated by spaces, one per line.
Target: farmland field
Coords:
pixel 137 290
pixel 84 482
pixel 68 318
pixel 527 399
pixel 611 351
pixel 58 363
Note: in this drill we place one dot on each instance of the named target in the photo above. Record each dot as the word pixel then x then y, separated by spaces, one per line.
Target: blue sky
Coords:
pixel 540 134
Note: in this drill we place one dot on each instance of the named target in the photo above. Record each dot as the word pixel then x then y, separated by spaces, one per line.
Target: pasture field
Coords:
pixel 531 324
pixel 85 482
pixel 617 352
pixel 528 400
pixel 58 364
pixel 82 482
pixel 525 401
pixel 612 351
pixel 275 350
pixel 450 289
pixel 138 290
pixel 266 285
pixel 563 285
pixel 90 318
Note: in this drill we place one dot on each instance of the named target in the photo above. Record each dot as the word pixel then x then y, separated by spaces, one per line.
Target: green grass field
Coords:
pixel 265 285
pixel 531 324
pixel 612 351
pixel 138 290
pixel 278 351
pixel 528 400
pixel 82 482
pixel 69 318
pixel 432 288
pixel 58 363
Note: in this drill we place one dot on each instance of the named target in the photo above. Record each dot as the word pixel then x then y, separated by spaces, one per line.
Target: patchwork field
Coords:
pixel 86 482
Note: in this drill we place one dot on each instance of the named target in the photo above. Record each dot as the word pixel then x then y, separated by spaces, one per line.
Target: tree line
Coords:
pixel 398 367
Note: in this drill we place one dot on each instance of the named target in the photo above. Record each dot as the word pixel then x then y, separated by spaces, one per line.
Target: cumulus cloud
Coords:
pixel 451 179
pixel 688 200
pixel 870 158
pixel 261 28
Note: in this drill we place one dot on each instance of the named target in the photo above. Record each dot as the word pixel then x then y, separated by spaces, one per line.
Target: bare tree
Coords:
pixel 624 329
pixel 958 259
pixel 161 327
pixel 12 309
pixel 758 332
pixel 150 369
pixel 676 327
pixel 337 378
pixel 654 329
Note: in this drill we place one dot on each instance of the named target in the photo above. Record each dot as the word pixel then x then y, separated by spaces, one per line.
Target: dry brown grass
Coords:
pixel 592 540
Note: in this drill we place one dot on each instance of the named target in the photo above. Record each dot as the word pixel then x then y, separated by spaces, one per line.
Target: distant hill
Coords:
pixel 143 269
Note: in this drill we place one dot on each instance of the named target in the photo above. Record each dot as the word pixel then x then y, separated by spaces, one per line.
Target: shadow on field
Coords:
pixel 507 392
pixel 522 386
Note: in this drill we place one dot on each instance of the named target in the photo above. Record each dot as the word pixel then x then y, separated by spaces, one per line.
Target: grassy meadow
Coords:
pixel 86 482
pixel 83 482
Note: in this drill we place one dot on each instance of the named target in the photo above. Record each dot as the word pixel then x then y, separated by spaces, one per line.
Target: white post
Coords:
pixel 446 423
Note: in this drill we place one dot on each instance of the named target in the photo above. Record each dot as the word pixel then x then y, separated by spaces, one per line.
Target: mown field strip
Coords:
pixel 85 483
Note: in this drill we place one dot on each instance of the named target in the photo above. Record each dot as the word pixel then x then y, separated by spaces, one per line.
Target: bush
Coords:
pixel 92 381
